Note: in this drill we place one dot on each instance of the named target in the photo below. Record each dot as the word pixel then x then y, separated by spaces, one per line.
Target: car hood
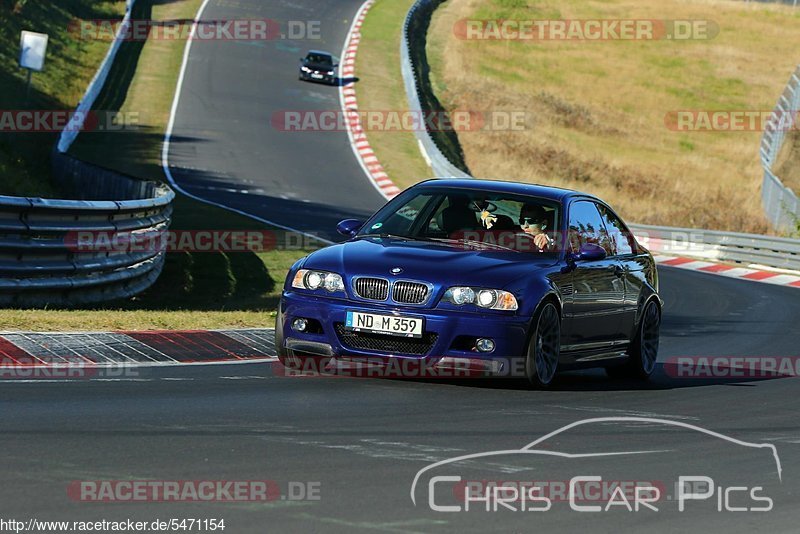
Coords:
pixel 437 263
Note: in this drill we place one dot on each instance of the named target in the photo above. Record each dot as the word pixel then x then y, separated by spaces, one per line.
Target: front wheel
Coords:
pixel 643 352
pixel 544 347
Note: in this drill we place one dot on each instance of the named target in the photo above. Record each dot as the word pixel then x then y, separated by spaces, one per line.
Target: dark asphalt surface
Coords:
pixel 224 147
pixel 364 440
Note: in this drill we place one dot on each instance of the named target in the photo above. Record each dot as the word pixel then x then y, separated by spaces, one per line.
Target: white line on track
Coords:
pixel 168 137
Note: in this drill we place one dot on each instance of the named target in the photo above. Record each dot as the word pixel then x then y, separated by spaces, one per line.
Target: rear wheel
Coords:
pixel 544 347
pixel 643 353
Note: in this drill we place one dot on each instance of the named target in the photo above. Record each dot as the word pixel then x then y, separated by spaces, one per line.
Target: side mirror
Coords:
pixel 590 252
pixel 349 227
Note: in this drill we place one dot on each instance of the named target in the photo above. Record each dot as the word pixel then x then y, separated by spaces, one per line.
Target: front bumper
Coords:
pixel 325 78
pixel 442 344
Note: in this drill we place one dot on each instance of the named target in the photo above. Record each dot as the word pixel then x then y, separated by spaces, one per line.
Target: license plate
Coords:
pixel 317 76
pixel 392 325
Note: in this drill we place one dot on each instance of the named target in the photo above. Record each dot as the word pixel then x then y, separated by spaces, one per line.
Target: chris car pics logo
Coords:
pixel 446 491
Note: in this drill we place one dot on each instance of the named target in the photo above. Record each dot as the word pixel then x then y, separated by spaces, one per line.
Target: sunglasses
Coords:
pixel 532 221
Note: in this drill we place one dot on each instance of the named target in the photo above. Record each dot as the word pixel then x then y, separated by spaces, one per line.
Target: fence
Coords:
pixel 780 203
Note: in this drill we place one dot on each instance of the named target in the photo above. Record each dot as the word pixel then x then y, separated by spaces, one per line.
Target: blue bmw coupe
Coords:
pixel 510 279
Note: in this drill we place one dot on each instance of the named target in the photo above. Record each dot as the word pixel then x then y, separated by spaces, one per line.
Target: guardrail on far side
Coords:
pixel 746 249
pixel 781 204
pixel 438 162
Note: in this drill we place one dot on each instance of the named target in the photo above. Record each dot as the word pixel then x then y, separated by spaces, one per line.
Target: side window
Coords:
pixel 586 226
pixel 619 234
pixel 400 222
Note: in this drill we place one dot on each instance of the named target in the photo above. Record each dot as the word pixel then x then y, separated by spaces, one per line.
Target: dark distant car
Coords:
pixel 318 66
pixel 514 278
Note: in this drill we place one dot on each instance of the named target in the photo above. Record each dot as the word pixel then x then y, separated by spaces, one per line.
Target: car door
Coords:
pixel 598 287
pixel 633 266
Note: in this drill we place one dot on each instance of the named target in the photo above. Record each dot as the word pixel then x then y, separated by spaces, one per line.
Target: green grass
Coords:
pixel 196 290
pixel 380 88
pixel 141 82
pixel 70 65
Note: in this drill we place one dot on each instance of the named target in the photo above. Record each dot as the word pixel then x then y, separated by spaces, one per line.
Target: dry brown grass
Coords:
pixel 596 110
pixel 788 164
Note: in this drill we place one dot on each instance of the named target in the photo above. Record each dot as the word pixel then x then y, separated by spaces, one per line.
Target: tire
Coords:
pixel 643 353
pixel 544 346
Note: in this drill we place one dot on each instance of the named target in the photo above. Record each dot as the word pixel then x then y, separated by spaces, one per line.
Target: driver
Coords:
pixel 533 220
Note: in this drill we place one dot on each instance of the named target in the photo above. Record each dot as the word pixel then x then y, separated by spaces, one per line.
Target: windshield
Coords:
pixel 483 219
pixel 319 59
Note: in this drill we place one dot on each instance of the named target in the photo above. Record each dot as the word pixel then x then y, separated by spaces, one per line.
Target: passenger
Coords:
pixel 534 221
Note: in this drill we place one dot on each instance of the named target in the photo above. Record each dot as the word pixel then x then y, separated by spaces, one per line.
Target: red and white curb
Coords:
pixel 135 349
pixel 347 94
pixel 731 271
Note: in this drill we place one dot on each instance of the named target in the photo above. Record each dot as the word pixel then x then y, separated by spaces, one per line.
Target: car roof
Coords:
pixel 320 52
pixel 501 186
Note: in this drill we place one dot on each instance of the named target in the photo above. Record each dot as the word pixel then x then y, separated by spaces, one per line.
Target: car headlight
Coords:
pixel 329 73
pixel 493 299
pixel 308 279
pixel 305 69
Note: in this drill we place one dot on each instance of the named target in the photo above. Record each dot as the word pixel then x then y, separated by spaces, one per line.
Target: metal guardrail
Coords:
pixel 41 262
pixel 42 259
pixel 776 252
pixel 75 125
pixel 437 161
pixel 781 204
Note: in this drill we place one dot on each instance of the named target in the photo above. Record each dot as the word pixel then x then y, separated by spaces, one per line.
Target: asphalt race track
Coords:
pixel 365 439
pixel 360 442
pixel 224 146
